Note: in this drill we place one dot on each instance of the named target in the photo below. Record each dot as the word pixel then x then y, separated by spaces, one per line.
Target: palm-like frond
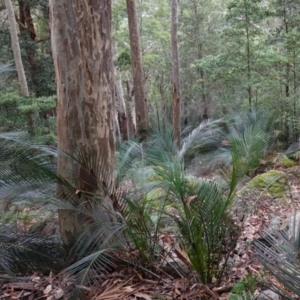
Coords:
pixel 293 150
pixel 7 68
pixel 239 123
pixel 205 138
pixel 128 154
pixel 88 270
pixel 243 296
pixel 203 225
pixel 212 142
pixel 98 229
pixel 280 256
pixel 142 218
pixel 246 150
pixel 159 180
pixel 203 222
pixel 23 253
pixel 24 166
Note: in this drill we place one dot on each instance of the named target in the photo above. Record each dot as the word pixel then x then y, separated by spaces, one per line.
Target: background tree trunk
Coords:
pixel 81 36
pixel 137 70
pixel 25 19
pixel 175 73
pixel 122 114
pixel 16 48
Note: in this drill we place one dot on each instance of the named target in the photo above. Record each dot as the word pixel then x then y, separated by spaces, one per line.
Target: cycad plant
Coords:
pixel 205 228
pixel 28 253
pixel 154 194
pixel 25 167
pixel 163 192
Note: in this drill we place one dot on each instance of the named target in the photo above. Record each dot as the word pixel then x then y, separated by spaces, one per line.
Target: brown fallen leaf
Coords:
pixel 59 294
pixel 142 295
pixel 177 292
pixel 128 289
pixel 48 289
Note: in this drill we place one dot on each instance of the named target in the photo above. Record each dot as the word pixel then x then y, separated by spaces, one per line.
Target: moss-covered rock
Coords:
pixel 286 162
pixel 273 182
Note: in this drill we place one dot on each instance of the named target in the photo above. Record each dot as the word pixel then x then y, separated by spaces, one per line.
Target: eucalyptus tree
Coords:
pixel 16 48
pixel 175 74
pixel 81 36
pixel 154 20
pixel 137 69
pixel 34 31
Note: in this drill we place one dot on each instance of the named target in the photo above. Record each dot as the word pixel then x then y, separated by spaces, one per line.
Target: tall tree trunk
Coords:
pixel 248 53
pixel 198 34
pixel 26 27
pixel 287 80
pixel 81 36
pixel 175 73
pixel 137 70
pixel 16 48
pixel 25 19
pixel 131 110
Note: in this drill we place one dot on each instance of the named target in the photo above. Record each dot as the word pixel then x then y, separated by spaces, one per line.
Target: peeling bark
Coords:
pixel 81 36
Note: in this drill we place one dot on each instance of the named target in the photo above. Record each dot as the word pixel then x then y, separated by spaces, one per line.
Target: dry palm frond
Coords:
pixel 118 289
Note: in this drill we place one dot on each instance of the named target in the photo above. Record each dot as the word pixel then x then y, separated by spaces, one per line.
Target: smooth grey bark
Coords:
pixel 16 48
pixel 175 74
pixel 122 114
pixel 137 69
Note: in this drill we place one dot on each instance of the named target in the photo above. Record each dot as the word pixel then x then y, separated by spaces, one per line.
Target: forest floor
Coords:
pixel 253 214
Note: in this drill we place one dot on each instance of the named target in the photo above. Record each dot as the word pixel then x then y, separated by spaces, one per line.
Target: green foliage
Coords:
pixel 201 217
pixel 208 211
pixel 36 55
pixel 19 173
pixel 243 296
pixel 124 60
pixel 154 194
pixel 247 149
pixel 286 162
pixel 242 55
pixel 14 111
pixel 28 253
pixel 247 284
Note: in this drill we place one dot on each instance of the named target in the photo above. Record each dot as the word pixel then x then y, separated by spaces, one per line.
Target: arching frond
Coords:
pixel 23 253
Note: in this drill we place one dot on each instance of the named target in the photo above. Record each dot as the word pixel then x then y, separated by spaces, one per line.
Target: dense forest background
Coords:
pixel 234 56
pixel 155 161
